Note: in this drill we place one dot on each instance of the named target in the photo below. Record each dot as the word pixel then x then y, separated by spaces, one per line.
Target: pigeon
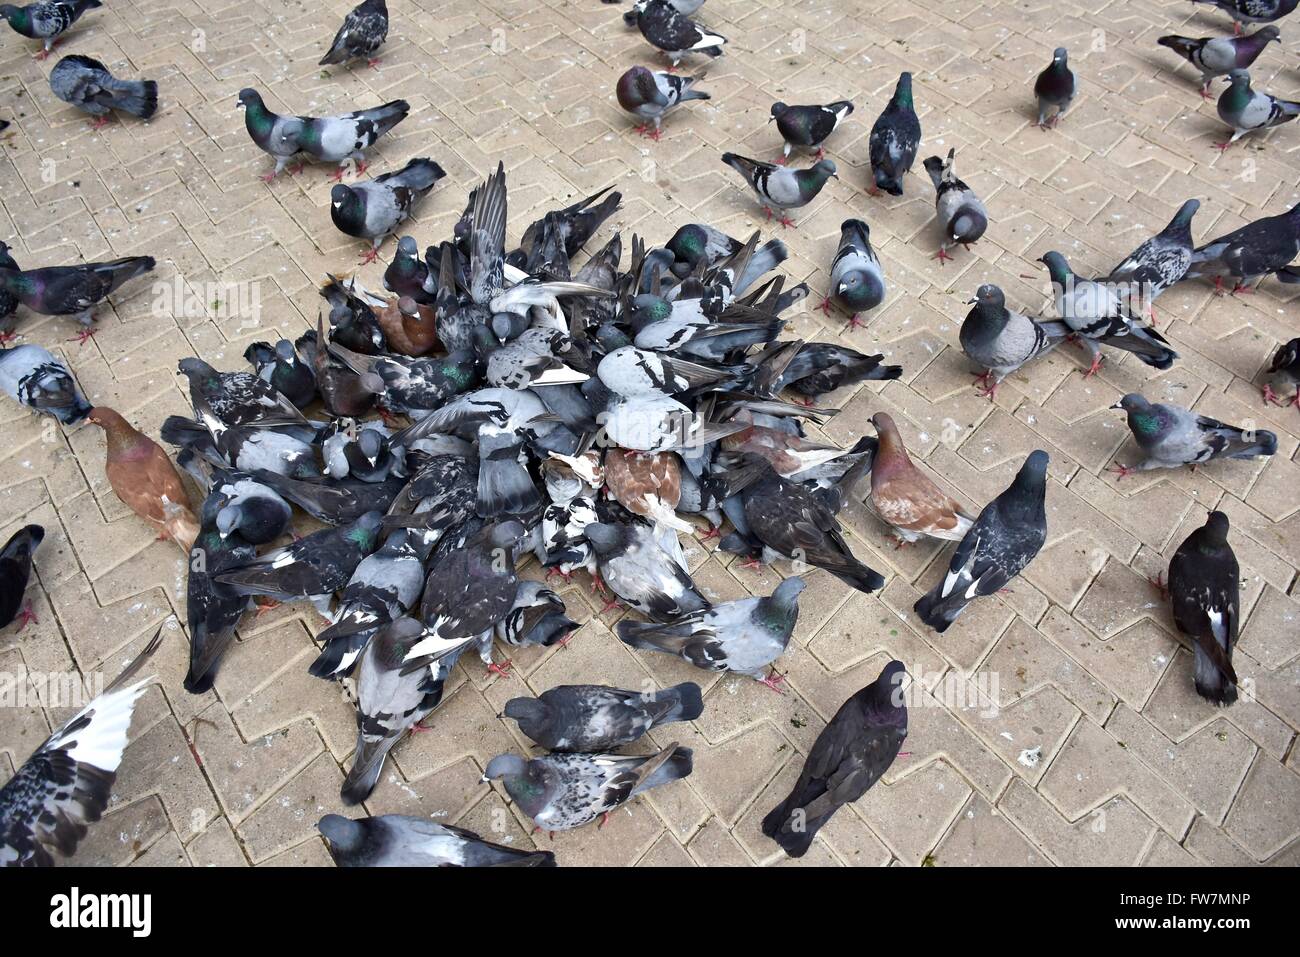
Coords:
pixel 1095 313
pixel 808 126
pixel 364 31
pixel 15 570
pixel 409 275
pixel 413 385
pixel 1001 340
pixel 1054 89
pixel 787 520
pixel 236 398
pixel 527 360
pixel 787 453
pixel 390 701
pixel 240 503
pixel 68 782
pixel 857 282
pixel 8 299
pixel 144 478
pixel 1286 366
pixel 1219 56
pixel 684 7
pixel 636 372
pixel 1161 261
pixel 675 33
pixel 1204 585
pixel 283 369
pixel 1004 539
pixel 47 20
pixel 1265 246
pixel 245 447
pixel 374 209
pixel 779 187
pixel 563 791
pixel 73 290
pixel 41 382
pixel 850 755
pixel 895 137
pixel 743 636
pixel 649 485
pixel 536 618
pixel 961 213
pixel 1252 11
pixel 399 840
pixel 906 498
pixel 1245 110
pixel 353 323
pixel 649 96
pixel 595 718
pixel 88 85
pixel 331 139
pixel 635 567
pixel 821 367
pixel 1171 436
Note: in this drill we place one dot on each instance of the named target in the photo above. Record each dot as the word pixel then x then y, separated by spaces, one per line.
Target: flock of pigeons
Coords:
pixel 526 407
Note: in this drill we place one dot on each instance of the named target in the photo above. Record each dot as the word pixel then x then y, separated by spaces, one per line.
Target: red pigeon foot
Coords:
pixel 267 177
pixel 1123 471
pixel 25 616
pixel 753 564
pixel 856 323
pixel 371 255
pixel 1092 369
pixel 825 306
pixel 774 681
pixel 1242 289
pixel 1159 583
pixel 84 336
pixel 373 63
pixel 713 532
pixel 7 337
pixel 502 669
pixel 942 256
pixel 1270 397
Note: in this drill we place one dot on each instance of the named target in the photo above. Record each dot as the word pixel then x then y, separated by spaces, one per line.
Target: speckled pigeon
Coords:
pixel 1161 261
pixel 364 31
pixel 674 33
pixel 1252 11
pixel 48 19
pixel 399 840
pixel 32 376
pixel 596 718
pixel 637 569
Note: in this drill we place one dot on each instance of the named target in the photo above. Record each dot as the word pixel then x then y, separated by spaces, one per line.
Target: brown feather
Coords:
pixel 905 497
pixel 646 484
pixel 411 334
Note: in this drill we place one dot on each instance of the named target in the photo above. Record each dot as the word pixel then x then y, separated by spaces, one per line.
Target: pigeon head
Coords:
pixel 1262 36
pixel 407 247
pixel 777 110
pixel 789 590
pixel 106 418
pixel 342 198
pixel 1057 267
pixel 903 91
pixel 394 641
pixel 1060 57
pixel 891 456
pixel 506 535
pixel 1215 529
pixel 285 351
pixel 635 88
pixel 1133 403
pixel 343 835
pixel 825 169
pixel 887 690
pixel 1239 80
pixel 259 519
pixel 1183 217
pixel 605 539
pixel 989 296
pixel 505 767
pixel 529 712
pixel 249 97
pixel 859 290
pixel 688 247
pixel 365 532
pixel 648 308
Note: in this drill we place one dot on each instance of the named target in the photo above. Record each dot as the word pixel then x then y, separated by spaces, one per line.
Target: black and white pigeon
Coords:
pixel 363 32
pixel 247 448
pixel 399 840
pixel 536 618
pixel 68 782
pixel 895 138
pixel 1219 56
pixel 236 398
pixel 413 385
pixel 1246 110
pixel 284 370
pixel 46 20
pixel 72 290
pixel 241 503
pixel 212 609
pixel 857 282
pixel 1204 586
pixel 15 571
pixel 743 636
pixel 1252 11
pixel 1054 89
pixel 339 139
pixel 373 209
pixel 1161 261
pixel 1252 252
pixel 32 376
pixel 633 564
pixel 89 86
pixel 1285 366
pixel 675 33
pixel 596 718
pixel 961 212
pixel 390 701
pixel 850 755
pixel 1000 340
pixel 1171 436
pixel 808 126
pixel 778 187
pixel 564 791
pixel 649 96
pixel 1095 313
pixel 821 367
pixel 1004 539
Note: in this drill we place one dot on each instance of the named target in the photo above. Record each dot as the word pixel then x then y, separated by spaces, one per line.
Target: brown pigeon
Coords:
pixel 788 454
pixel 905 498
pixel 145 480
pixel 647 483
pixel 408 327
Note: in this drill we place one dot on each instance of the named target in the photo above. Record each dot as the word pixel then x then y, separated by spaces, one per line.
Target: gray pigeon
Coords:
pixel 1171 437
pixel 374 209
pixel 46 20
pixel 32 376
pixel 86 83
pixel 634 565
pixel 779 187
pixel 390 701
pixel 398 840
pixel 857 282
pixel 630 371
pixel 1204 585
pixel 651 95
pixel 363 32
pixel 563 791
pixel 1004 539
pixel 1161 261
pixel 850 755
pixel 1219 56
pixel 1245 110
pixel 1054 89
pixel 596 718
pixel 1001 340
pixel 1265 246
pixel 743 636
pixel 961 213
pixel 1285 365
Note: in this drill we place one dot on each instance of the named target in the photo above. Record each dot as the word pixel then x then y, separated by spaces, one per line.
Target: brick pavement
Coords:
pixel 1092 748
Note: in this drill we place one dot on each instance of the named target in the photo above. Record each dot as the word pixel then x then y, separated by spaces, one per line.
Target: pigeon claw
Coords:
pixel 373 62
pixel 99 122
pixel 267 177
pixel 1270 397
pixel 1242 289
pixel 502 669
pixel 25 616
pixel 371 255
pixel 1205 92
pixel 1159 584
pixel 753 564
pixel 713 532
pixel 84 336
pixel 774 680
pixel 825 306
pixel 856 323
pixel 7 337
pixel 1223 147
pixel 1123 471
pixel 942 256
pixel 1092 369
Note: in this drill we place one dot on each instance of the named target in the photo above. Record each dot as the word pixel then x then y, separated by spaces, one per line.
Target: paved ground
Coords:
pixel 1069 732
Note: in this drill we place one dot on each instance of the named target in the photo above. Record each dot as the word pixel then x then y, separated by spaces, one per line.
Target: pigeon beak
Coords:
pixel 842 286
pixel 971 302
pixel 1117 405
pixel 484 780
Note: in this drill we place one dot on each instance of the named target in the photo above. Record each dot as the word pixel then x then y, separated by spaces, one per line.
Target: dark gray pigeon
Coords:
pixel 778 187
pixel 46 20
pixel 634 565
pixel 1004 539
pixel 373 209
pixel 284 370
pixel 1204 584
pixel 1171 437
pixel 1285 366
pixel 597 718
pixel 1001 340
pixel 72 290
pixel 821 367
pixel 564 791
pixel 1161 261
pixel 1054 89
pixel 32 376
pixel 363 32
pixel 1246 110
pixel 236 398
pixel 850 755
pixel 857 282
pixel 961 212
pixel 1252 11
pixel 743 636
pixel 1252 252
pixel 1219 56
pixel 398 840
pixel 895 138
pixel 15 572
pixel 808 126
pixel 88 85
pixel 409 274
